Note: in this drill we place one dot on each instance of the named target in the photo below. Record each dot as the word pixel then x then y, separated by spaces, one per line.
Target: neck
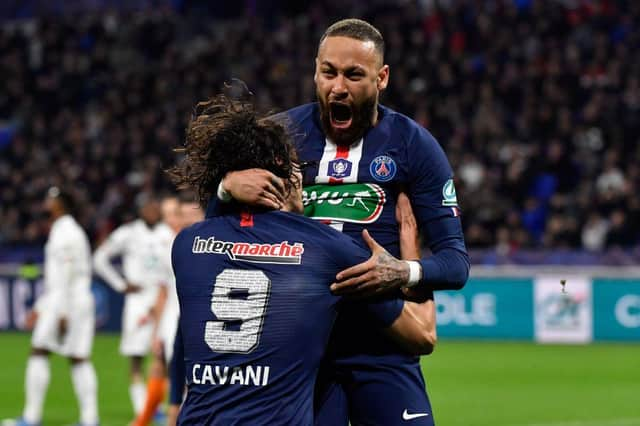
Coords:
pixel 57 215
pixel 374 116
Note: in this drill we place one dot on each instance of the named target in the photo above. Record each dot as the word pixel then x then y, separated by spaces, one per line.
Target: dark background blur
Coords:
pixel 536 103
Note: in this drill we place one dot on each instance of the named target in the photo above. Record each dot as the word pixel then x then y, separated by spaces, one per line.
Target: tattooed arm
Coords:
pixel 378 275
pixel 383 272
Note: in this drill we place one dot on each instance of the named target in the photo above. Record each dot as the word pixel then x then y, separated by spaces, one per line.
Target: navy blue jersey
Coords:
pixel 256 314
pixel 356 187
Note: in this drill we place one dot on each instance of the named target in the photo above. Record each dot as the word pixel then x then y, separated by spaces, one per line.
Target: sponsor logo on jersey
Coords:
pixel 406 416
pixel 339 168
pixel 383 168
pixel 449 198
pixel 283 252
pixel 355 203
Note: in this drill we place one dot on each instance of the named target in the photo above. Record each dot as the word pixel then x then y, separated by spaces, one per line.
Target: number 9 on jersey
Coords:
pixel 239 296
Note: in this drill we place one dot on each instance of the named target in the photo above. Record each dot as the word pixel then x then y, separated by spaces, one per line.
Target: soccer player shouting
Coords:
pixel 361 155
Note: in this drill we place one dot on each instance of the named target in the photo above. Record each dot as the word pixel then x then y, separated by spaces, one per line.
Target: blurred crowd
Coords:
pixel 536 103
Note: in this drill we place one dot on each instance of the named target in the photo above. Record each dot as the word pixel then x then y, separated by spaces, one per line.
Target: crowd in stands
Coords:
pixel 536 103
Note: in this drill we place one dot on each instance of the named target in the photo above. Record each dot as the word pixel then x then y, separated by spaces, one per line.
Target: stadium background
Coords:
pixel 536 103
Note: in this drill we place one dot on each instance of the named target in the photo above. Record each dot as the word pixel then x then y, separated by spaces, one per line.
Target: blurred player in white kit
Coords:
pixel 141 245
pixel 64 315
pixel 176 214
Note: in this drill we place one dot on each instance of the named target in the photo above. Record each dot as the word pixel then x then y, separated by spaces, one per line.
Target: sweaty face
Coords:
pixel 349 77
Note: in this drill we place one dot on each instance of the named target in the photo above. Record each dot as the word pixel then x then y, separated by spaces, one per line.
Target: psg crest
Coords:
pixel 383 168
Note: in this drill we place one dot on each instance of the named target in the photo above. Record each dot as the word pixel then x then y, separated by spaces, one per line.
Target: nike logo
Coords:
pixel 407 416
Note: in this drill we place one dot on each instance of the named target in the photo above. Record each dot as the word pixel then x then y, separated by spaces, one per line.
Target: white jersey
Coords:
pixel 141 252
pixel 67 292
pixel 67 268
pixel 142 249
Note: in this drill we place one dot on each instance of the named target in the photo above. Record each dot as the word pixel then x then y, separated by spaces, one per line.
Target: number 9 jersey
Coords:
pixel 256 314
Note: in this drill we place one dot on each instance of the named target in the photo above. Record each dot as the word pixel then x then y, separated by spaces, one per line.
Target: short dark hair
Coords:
pixel 356 29
pixel 64 197
pixel 225 135
pixel 145 198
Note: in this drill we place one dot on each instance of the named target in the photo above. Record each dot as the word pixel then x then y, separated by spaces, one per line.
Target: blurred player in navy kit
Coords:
pixel 253 284
pixel 362 156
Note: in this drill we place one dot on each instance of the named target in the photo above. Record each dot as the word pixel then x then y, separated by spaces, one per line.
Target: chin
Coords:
pixel 345 136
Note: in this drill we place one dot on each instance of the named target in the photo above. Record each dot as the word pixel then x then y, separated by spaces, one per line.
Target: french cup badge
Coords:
pixel 339 168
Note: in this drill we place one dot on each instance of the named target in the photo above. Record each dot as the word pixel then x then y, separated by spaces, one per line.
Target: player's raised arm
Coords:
pixel 435 205
pixel 254 187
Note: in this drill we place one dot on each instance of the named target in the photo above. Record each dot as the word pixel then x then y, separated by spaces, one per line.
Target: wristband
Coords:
pixel 223 195
pixel 415 273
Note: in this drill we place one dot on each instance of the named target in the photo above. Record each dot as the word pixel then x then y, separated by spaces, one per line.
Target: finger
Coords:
pixel 269 204
pixel 366 290
pixel 373 245
pixel 274 184
pixel 274 191
pixel 359 269
pixel 404 211
pixel 268 200
pixel 351 285
pixel 404 205
pixel 277 183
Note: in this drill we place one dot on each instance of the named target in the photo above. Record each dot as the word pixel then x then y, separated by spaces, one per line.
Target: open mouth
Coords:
pixel 341 115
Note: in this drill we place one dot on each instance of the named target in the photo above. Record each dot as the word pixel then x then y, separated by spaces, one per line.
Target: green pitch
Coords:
pixel 470 384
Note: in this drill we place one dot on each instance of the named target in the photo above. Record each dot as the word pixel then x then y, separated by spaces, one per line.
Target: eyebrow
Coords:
pixel 349 69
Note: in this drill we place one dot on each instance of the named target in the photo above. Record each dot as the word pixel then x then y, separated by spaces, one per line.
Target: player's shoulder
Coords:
pixel 272 223
pixel 129 232
pixel 129 226
pixel 408 129
pixel 67 230
pixel 164 231
pixel 316 233
pixel 192 229
pixel 301 113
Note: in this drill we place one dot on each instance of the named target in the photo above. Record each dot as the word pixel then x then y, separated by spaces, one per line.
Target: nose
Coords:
pixel 339 88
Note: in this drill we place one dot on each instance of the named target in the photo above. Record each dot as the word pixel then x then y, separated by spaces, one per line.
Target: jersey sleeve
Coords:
pixel 113 246
pixel 433 196
pixel 383 312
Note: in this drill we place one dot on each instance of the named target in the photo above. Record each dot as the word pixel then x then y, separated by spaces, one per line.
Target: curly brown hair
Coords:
pixel 225 135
